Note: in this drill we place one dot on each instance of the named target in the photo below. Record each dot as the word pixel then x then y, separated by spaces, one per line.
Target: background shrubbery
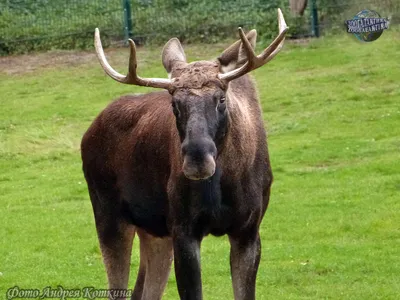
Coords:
pixel 32 25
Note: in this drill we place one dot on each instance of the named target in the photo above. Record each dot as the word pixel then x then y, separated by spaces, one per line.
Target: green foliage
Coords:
pixel 41 25
pixel 28 25
pixel 206 21
pixel 331 231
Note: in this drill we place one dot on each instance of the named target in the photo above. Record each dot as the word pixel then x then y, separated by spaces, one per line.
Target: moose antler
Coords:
pixel 253 61
pixel 131 77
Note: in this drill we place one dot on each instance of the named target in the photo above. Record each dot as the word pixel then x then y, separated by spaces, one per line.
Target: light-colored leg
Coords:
pixel 116 246
pixel 244 258
pixel 115 237
pixel 156 256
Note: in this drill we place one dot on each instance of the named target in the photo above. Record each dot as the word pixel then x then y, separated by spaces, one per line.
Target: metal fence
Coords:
pixel 30 25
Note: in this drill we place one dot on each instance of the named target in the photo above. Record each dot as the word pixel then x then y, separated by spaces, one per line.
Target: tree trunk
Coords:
pixel 297 7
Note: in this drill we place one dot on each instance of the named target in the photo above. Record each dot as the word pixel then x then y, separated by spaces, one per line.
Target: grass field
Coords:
pixel 332 231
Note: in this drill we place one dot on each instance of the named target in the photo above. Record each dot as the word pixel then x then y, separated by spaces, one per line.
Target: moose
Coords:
pixel 176 165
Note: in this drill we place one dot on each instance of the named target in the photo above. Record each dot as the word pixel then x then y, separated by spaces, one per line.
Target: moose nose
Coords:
pixel 199 159
pixel 196 171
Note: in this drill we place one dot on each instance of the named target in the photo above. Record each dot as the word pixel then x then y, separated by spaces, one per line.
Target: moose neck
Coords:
pixel 245 120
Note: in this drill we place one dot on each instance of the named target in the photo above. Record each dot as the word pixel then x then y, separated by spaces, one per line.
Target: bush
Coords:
pixel 205 21
pixel 27 26
pixel 34 25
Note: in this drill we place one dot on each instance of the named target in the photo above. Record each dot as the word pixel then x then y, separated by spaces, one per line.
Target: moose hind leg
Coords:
pixel 116 253
pixel 115 237
pixel 156 257
pixel 244 258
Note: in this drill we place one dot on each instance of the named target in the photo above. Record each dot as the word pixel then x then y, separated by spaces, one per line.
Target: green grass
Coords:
pixel 332 231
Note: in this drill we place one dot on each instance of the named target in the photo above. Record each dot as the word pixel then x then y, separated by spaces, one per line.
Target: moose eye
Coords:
pixel 175 109
pixel 221 107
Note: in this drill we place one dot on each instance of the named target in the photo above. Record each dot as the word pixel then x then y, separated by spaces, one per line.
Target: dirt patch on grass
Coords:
pixel 21 64
pixel 117 56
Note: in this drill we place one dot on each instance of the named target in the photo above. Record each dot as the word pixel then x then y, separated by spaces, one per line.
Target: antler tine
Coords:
pixel 254 61
pixel 132 61
pixel 251 56
pixel 103 61
pixel 131 77
pixel 277 44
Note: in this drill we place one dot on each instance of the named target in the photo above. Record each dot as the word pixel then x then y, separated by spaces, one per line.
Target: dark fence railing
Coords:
pixel 33 25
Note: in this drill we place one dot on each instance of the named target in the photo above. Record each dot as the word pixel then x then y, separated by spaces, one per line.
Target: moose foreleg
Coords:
pixel 187 267
pixel 244 259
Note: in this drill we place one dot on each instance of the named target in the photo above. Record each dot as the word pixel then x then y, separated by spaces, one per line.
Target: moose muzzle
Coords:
pixel 199 159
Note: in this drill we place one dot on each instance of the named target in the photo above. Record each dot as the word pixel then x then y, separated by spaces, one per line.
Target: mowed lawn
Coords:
pixel 332 111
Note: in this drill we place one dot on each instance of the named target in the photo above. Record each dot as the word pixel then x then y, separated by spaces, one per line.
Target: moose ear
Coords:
pixel 172 53
pixel 235 55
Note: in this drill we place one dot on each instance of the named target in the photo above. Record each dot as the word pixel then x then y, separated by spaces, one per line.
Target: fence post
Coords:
pixel 314 18
pixel 127 19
